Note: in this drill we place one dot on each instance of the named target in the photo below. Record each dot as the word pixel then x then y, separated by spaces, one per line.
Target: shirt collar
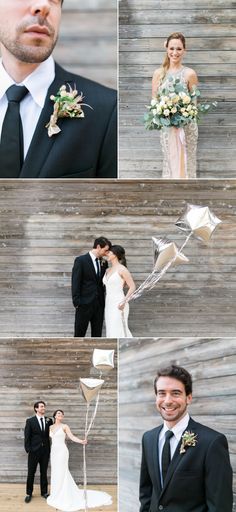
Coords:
pixel 37 82
pixel 178 429
pixel 92 255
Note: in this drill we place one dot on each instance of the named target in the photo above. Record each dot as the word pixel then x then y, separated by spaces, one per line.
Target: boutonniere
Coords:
pixel 66 104
pixel 188 439
pixel 47 420
pixel 102 262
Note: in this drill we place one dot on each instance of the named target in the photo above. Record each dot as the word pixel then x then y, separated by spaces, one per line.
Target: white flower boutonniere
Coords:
pixel 103 262
pixel 188 439
pixel 66 104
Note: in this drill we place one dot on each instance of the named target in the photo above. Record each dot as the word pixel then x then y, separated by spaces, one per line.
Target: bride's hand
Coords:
pixel 83 441
pixel 121 306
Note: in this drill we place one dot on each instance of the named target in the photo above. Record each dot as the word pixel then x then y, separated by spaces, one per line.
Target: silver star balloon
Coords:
pixel 103 359
pixel 199 220
pixel 90 388
pixel 166 252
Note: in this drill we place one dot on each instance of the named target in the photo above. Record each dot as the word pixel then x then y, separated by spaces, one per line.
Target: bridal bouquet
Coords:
pixel 175 106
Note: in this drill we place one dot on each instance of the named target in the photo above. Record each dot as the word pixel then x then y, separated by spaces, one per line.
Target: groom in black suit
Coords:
pixel 88 292
pixel 85 147
pixel 185 465
pixel 38 448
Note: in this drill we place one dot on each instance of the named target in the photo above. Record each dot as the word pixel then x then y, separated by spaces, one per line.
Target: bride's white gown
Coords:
pixel 65 495
pixel 116 322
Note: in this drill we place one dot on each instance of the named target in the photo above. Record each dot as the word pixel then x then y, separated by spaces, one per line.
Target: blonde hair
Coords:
pixel 166 63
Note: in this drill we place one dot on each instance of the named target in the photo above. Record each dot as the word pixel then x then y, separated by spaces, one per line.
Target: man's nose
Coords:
pixel 40 7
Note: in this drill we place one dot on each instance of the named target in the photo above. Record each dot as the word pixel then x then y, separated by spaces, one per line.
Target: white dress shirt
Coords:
pixel 94 262
pixel 31 106
pixel 39 420
pixel 177 430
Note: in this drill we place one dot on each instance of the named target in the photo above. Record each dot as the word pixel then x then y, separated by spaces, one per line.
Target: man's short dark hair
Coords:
pixel 102 241
pixel 176 372
pixel 36 405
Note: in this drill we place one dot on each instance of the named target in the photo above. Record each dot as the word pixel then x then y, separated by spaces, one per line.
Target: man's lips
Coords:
pixel 38 30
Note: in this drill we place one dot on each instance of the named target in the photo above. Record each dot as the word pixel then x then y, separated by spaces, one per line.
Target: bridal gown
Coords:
pixel 65 496
pixel 116 321
pixel 177 163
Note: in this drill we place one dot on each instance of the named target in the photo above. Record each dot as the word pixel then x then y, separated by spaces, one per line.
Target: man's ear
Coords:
pixel 189 398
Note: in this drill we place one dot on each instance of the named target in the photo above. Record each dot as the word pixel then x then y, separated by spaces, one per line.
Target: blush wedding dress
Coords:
pixel 178 164
pixel 116 321
pixel 65 496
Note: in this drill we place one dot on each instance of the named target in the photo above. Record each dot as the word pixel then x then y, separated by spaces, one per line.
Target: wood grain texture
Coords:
pixel 211 45
pixel 49 369
pixel 212 363
pixel 44 225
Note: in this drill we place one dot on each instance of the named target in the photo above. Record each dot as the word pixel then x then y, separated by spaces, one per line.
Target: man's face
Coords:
pixel 41 409
pixel 29 28
pixel 171 399
pixel 102 251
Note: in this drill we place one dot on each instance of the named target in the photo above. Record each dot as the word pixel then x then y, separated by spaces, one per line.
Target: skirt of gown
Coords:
pixel 116 321
pixel 65 496
pixel 171 164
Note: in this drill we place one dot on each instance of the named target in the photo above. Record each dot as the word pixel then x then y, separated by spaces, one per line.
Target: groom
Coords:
pixel 185 465
pixel 88 290
pixel 38 448
pixel 29 81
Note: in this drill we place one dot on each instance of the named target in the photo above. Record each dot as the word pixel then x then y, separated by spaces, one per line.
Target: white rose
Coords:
pixel 173 110
pixel 166 112
pixel 186 99
pixel 185 114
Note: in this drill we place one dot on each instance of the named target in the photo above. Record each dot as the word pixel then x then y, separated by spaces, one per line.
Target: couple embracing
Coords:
pixel 97 287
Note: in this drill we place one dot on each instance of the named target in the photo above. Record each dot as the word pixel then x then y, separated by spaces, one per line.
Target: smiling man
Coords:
pixel 82 143
pixel 185 465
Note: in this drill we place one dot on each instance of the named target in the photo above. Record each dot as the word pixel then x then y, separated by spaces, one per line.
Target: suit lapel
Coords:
pixel 91 265
pixel 41 143
pixel 156 459
pixel 176 459
pixel 37 423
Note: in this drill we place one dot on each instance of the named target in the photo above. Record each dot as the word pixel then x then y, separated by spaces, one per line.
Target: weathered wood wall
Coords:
pixel 49 369
pixel 44 225
pixel 87 42
pixel 88 39
pixel 211 41
pixel 212 363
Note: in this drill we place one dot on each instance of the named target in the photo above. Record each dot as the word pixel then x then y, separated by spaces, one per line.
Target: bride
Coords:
pixel 179 145
pixel 115 279
pixel 65 495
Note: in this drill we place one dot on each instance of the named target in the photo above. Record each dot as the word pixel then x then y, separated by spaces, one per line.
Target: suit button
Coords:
pixel 160 507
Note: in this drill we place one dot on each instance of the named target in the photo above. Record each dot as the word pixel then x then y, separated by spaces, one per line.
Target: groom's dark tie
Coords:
pixel 98 267
pixel 42 424
pixel 11 147
pixel 165 457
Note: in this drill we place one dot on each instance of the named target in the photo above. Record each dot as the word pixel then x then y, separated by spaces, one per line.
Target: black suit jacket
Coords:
pixel 86 286
pixel 34 437
pixel 199 480
pixel 85 147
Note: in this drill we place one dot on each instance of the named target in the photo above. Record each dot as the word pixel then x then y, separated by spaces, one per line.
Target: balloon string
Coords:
pixel 154 277
pixel 124 323
pixel 84 463
pixel 86 433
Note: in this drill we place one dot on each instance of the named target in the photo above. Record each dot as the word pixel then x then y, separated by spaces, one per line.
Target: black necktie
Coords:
pixel 42 424
pixel 98 267
pixel 165 457
pixel 11 147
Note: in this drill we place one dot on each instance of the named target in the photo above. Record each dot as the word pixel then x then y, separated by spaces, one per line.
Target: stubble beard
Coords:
pixel 29 53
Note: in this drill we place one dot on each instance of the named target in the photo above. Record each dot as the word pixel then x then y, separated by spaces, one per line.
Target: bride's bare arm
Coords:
pixel 155 82
pixel 126 275
pixel 71 436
